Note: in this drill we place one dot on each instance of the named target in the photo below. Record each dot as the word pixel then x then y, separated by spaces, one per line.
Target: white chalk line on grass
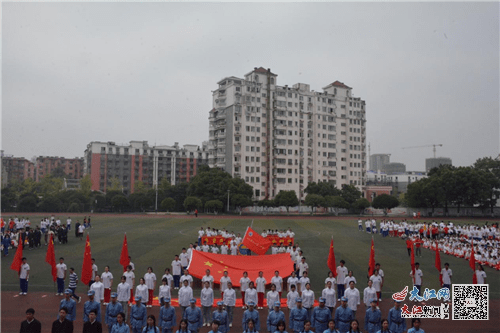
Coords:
pixel 182 232
pixel 312 236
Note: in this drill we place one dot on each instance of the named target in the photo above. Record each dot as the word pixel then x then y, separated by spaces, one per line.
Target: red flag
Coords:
pixel 50 258
pixel 124 259
pixel 472 263
pixel 437 264
pixel 255 242
pixel 18 258
pixel 236 265
pixel 87 263
pixel 331 260
pixel 413 262
pixel 371 264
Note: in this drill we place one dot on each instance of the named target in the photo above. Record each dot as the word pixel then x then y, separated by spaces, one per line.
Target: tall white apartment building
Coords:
pixel 282 138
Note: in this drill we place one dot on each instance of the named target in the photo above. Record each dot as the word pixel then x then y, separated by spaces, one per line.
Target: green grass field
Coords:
pixel 153 241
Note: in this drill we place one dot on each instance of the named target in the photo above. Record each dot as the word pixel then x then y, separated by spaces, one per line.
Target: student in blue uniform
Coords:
pixel 320 316
pixel 183 324
pixel 112 310
pixel 167 316
pixel 91 305
pixel 138 315
pixel 70 304
pixel 120 326
pixel 274 317
pixel 193 316
pixel 298 317
pixel 250 327
pixel 281 327
pixel 343 316
pixel 415 326
pixel 307 327
pixel 251 314
pixel 221 316
pixel 372 317
pixel 385 326
pixel 331 327
pixel 397 324
pixel 151 325
pixel 215 327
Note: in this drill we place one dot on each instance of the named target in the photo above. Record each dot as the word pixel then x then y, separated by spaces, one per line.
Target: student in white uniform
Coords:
pixel 130 280
pixel 229 300
pixel 224 280
pixel 329 295
pixel 480 274
pixel 272 297
pixel 278 282
pixel 369 294
pixel 244 284
pixel 341 274
pixel 184 257
pixel 185 295
pixel 377 284
pixel 208 278
pixel 187 277
pixel 207 301
pixel 150 279
pixel 302 283
pixel 98 288
pixel 107 280
pixel 251 294
pixel 381 274
pixel 447 274
pixel 291 297
pixel 292 280
pixel 353 299
pixel 417 278
pixel 176 272
pixel 260 283
pixel 348 279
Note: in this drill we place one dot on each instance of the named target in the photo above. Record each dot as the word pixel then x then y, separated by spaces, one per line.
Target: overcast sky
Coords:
pixel 73 73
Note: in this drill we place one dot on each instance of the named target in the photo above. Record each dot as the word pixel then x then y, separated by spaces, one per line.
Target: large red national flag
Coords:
pixel 50 258
pixel 437 264
pixel 331 260
pixel 472 263
pixel 124 258
pixel 87 263
pixel 371 263
pixel 255 242
pixel 18 258
pixel 236 265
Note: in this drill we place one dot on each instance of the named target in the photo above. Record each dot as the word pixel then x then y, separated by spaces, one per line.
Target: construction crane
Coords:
pixel 433 147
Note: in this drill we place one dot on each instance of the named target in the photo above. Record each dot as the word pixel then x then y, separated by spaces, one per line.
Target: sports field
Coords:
pixel 154 240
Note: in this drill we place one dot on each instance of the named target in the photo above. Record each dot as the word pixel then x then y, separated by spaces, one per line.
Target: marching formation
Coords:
pixel 335 307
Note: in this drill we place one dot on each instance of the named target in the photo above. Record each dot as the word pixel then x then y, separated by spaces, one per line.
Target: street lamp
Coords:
pixel 228 200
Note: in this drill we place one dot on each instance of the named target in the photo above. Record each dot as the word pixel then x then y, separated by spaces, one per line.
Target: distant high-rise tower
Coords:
pixel 435 162
pixel 282 138
pixel 377 161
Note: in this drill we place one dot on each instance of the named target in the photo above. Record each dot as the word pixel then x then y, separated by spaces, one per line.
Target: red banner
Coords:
pixel 124 259
pixel 87 263
pixel 472 263
pixel 255 242
pixel 236 265
pixel 280 240
pixel 437 264
pixel 215 240
pixel 331 260
pixel 371 263
pixel 50 258
pixel 18 258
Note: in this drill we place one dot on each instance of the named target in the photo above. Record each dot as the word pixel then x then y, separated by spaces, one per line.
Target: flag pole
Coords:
pixel 251 224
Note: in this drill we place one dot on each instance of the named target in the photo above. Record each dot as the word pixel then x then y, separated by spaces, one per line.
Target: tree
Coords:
pixel 489 179
pixel 336 202
pixel 27 204
pixel 361 204
pixel 86 185
pixel 115 186
pixel 74 208
pixel 350 194
pixel 168 204
pixel 240 200
pixel 287 199
pixel 314 200
pixel 265 203
pixel 9 199
pixel 192 203
pixel 214 185
pixel 385 202
pixel 120 202
pixel 58 172
pixel 50 203
pixel 140 187
pixel 322 188
pixel 214 205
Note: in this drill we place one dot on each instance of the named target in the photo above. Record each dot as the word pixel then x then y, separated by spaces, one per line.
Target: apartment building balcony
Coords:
pixel 221 135
pixel 237 174
pixel 221 144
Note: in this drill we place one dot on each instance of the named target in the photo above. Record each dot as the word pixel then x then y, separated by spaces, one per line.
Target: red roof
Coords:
pixel 340 85
pixel 261 70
